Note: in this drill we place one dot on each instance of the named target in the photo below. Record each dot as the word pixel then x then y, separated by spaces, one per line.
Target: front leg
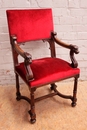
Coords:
pixel 32 110
pixel 74 99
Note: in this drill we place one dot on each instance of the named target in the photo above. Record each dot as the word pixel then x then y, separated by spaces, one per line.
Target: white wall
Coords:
pixel 70 22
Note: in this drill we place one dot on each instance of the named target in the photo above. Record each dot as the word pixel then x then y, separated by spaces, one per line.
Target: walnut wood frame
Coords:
pixel 16 50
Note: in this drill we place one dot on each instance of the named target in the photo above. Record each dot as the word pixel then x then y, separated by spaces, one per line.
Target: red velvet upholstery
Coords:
pixel 47 70
pixel 31 24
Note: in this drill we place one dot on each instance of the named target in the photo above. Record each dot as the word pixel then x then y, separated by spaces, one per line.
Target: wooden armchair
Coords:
pixel 32 25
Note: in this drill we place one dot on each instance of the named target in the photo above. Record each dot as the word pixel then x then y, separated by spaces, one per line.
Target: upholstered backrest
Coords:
pixel 32 24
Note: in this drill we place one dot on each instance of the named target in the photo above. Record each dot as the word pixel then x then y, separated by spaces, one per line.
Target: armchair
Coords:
pixel 37 24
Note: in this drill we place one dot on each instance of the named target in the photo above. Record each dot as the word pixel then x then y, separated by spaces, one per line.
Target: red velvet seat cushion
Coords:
pixel 47 70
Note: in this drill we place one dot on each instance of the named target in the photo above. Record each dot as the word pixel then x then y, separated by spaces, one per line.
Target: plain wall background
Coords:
pixel 70 23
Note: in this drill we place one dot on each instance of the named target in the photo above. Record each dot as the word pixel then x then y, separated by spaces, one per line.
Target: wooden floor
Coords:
pixel 53 113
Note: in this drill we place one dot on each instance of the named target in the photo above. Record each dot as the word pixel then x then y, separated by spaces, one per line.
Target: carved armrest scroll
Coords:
pixel 73 49
pixel 27 58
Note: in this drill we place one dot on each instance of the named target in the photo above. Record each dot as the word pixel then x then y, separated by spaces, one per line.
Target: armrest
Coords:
pixel 73 49
pixel 17 48
pixel 27 58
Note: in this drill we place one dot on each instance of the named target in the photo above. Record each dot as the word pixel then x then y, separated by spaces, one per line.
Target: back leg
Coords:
pixel 52 86
pixel 17 88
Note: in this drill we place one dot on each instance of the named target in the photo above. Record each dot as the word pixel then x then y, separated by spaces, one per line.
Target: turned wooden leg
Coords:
pixel 32 110
pixel 74 92
pixel 17 88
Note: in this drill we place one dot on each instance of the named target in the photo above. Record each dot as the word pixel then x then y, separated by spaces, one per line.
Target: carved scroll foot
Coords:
pixel 73 104
pixel 33 117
